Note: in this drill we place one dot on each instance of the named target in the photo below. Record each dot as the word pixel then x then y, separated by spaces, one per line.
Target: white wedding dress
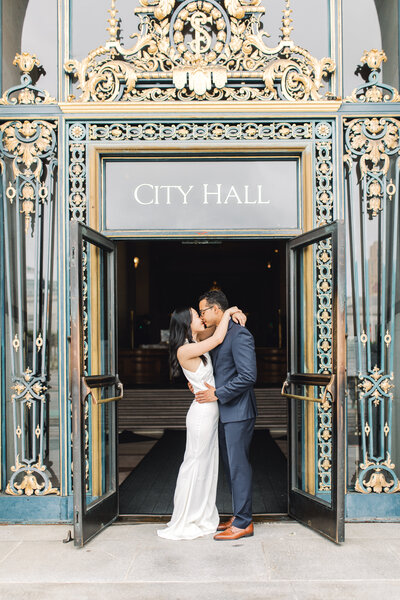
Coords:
pixel 195 513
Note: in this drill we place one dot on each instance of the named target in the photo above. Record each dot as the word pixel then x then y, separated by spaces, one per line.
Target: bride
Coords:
pixel 195 513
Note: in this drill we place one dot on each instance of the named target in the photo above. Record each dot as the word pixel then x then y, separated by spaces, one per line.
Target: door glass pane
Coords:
pixel 313 309
pixel 99 324
pixel 103 478
pixel 99 360
pixel 313 452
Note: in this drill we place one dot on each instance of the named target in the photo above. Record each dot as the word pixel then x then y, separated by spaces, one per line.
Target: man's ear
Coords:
pixel 216 309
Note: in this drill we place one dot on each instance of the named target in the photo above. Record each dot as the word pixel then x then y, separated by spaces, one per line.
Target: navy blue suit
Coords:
pixel 235 372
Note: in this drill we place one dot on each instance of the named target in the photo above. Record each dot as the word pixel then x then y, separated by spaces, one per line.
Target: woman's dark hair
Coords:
pixel 179 331
pixel 215 297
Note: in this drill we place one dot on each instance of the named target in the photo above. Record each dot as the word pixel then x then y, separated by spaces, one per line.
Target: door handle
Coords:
pixel 328 388
pixel 87 390
pixel 113 399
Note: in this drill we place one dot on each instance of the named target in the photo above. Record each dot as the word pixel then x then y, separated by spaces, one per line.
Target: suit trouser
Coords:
pixel 234 442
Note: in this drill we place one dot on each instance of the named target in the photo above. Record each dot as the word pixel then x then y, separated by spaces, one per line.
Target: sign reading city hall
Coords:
pixel 201 196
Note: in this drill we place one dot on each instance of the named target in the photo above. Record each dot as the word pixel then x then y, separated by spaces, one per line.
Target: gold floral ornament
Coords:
pixel 372 142
pixel 28 194
pixel 26 92
pixel 29 484
pixel 373 90
pixel 377 481
pixel 26 61
pixel 25 473
pixel 28 142
pixel 376 388
pixel 199 50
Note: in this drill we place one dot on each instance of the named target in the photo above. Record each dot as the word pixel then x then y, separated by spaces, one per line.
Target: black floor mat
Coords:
pixel 149 489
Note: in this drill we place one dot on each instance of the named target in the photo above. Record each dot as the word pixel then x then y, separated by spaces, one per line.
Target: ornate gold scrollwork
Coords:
pixel 372 141
pixel 28 157
pixel 29 484
pixel 373 90
pixel 193 50
pixel 26 92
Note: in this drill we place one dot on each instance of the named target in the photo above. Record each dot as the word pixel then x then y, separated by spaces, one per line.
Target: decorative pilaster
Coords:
pixel 372 145
pixel 28 169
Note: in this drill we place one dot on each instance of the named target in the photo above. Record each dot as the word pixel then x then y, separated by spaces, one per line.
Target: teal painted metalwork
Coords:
pixel 28 160
pixel 319 132
pixel 25 92
pixel 322 277
pixel 372 146
pixel 324 331
pixel 3 464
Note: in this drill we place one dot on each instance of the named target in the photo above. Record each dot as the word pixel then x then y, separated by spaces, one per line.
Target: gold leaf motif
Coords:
pixel 26 92
pixel 374 58
pixel 366 385
pixel 324 256
pixel 26 61
pixel 325 286
pixel 375 188
pixel 28 374
pixel 377 482
pixel 29 484
pixel 38 140
pixel 19 388
pixel 374 94
pixel 377 397
pixel 196 61
pixel 26 96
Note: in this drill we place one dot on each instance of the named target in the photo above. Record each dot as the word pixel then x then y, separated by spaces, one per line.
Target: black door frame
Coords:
pixel 326 519
pixel 90 520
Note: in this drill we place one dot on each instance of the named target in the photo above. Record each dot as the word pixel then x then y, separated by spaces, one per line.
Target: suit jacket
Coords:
pixel 235 373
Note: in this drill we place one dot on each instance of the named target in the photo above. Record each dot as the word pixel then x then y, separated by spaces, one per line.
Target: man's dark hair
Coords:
pixel 215 297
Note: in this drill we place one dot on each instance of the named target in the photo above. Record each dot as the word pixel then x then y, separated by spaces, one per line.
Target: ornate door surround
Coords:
pixel 277 100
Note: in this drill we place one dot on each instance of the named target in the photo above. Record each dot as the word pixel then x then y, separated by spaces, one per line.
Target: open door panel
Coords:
pixel 315 383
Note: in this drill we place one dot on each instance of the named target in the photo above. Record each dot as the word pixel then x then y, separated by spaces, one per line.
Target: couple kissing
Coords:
pixel 216 353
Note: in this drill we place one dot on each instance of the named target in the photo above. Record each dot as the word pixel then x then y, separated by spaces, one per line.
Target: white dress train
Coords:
pixel 195 513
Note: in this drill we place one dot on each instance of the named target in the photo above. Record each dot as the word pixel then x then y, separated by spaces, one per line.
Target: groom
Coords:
pixel 235 372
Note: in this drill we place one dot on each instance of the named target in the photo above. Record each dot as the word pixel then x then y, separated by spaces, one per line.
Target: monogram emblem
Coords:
pixel 200 30
pixel 202 39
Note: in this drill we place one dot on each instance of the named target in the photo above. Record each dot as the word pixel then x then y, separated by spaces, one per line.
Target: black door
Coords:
pixel 94 379
pixel 316 379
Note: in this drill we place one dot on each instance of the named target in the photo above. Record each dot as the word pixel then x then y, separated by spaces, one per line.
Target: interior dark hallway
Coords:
pixel 153 278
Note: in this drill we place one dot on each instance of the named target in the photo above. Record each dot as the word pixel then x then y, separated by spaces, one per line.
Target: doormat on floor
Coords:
pixel 149 489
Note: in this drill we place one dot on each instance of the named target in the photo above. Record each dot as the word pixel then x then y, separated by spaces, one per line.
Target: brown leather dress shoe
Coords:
pixel 225 524
pixel 234 533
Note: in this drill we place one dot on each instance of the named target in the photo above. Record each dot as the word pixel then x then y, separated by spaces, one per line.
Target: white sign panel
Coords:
pixel 201 195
